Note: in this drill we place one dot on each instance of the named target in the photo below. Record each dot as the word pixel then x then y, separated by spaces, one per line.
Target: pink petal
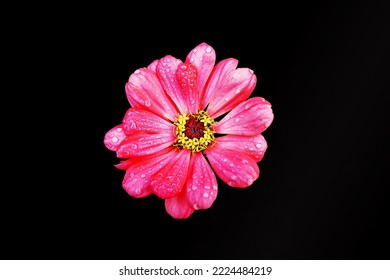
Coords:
pixel 152 66
pixel 144 91
pixel 169 181
pixel 187 76
pixel 138 120
pixel 139 172
pixel 201 188
pixel 142 144
pixel 178 207
pixel 249 118
pixel 123 165
pixel 234 168
pixel 166 71
pixel 220 71
pixel 114 137
pixel 202 58
pixel 232 90
pixel 253 146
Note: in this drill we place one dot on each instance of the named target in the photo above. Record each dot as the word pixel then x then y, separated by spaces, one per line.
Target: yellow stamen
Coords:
pixel 187 127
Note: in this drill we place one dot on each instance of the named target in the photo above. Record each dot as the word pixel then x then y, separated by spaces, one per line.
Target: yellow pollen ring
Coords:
pixel 194 144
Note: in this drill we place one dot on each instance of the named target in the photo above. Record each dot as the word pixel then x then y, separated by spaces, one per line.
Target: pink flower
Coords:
pixel 188 122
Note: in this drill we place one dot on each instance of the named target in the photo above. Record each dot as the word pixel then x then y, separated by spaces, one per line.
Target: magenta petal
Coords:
pixel 142 144
pixel 166 71
pixel 139 172
pixel 187 76
pixel 232 90
pixel 254 146
pixel 169 181
pixel 178 207
pixel 249 118
pixel 123 165
pixel 203 58
pixel 114 137
pixel 144 91
pixel 234 168
pixel 138 120
pixel 220 71
pixel 201 188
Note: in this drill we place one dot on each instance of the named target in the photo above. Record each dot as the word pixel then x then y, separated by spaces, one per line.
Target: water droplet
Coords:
pixel 115 139
pixel 133 146
pixel 231 164
pixel 168 70
pixel 143 175
pixel 137 71
pixel 238 91
pixel 226 99
pixel 247 106
pixel 138 191
pixel 183 67
pixel 251 71
pixel 206 195
pixel 237 119
pixel 251 149
pixel 208 50
pixel 244 161
pixel 192 59
pixel 148 103
pixel 194 188
pixel 258 145
pixel 195 50
pixel 207 187
pixel 195 206
pixel 224 160
pixel 234 177
pixel 119 129
pixel 250 181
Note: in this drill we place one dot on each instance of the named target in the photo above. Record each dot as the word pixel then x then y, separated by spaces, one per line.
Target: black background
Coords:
pixel 323 189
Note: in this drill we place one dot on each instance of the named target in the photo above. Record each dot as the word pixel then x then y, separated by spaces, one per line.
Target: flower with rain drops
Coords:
pixel 189 122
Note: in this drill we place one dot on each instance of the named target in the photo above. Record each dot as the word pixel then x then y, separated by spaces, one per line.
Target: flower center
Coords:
pixel 194 132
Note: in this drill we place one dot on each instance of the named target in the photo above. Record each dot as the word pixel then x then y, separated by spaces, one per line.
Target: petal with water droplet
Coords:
pixel 220 71
pixel 256 114
pixel 166 72
pixel 141 144
pixel 201 187
pixel 187 76
pixel 138 120
pixel 203 58
pixel 232 89
pixel 169 181
pixel 114 137
pixel 234 168
pixel 140 170
pixel 178 207
pixel 144 91
pixel 254 146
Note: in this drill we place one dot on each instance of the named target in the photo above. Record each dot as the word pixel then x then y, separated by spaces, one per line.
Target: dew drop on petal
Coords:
pixel 244 161
pixel 137 71
pixel 234 177
pixel 205 195
pixel 246 106
pixel 114 139
pixel 207 187
pixel 258 145
pixel 143 175
pixel 237 119
pixel 148 103
pixel 208 50
pixel 119 129
pixel 238 91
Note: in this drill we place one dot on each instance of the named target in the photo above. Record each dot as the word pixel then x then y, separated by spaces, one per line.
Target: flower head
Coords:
pixel 188 123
